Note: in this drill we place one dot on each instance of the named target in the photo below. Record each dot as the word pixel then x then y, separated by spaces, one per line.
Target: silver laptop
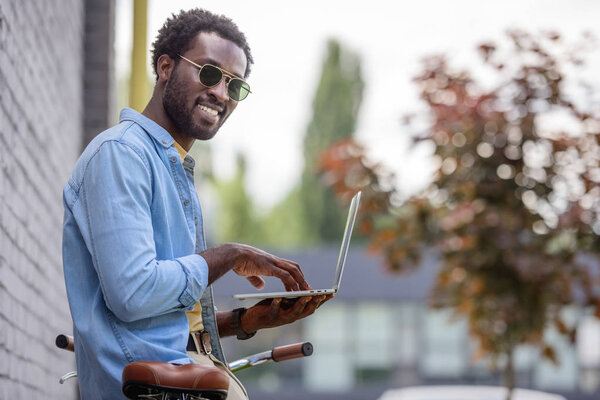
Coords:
pixel 338 272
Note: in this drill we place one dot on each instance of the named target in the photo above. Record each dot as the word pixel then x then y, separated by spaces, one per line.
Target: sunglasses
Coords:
pixel 211 75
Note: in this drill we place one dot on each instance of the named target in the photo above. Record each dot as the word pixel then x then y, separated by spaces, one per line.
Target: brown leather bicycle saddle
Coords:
pixel 153 377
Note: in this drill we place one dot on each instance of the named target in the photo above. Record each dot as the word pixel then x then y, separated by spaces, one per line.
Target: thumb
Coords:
pixel 256 281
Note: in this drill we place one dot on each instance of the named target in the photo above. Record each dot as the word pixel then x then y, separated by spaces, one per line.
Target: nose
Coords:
pixel 220 91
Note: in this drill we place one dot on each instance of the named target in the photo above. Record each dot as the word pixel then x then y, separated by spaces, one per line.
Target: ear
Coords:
pixel 164 67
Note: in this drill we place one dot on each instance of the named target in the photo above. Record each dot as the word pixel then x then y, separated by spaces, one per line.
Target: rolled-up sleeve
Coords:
pixel 116 197
pixel 196 271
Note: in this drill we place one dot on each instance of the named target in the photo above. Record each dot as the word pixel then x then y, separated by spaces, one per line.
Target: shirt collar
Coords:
pixel 155 130
pixel 180 150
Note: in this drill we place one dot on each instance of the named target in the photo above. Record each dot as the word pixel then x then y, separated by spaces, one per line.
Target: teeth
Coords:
pixel 209 110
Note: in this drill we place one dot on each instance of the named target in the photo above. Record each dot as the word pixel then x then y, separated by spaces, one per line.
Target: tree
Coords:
pixel 335 109
pixel 283 227
pixel 309 213
pixel 237 221
pixel 513 209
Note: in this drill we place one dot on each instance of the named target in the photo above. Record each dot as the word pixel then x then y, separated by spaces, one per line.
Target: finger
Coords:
pixel 312 307
pixel 325 299
pixel 301 305
pixel 316 301
pixel 297 281
pixel 258 262
pixel 275 306
pixel 256 281
pixel 306 310
pixel 283 272
pixel 293 263
pixel 296 273
pixel 319 299
pixel 265 267
pixel 286 304
pixel 264 302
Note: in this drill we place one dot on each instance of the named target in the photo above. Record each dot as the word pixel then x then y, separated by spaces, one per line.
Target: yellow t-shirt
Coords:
pixel 194 316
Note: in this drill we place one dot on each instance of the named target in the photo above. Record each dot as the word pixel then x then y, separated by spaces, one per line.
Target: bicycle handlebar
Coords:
pixel 277 354
pixel 292 351
pixel 281 353
pixel 65 342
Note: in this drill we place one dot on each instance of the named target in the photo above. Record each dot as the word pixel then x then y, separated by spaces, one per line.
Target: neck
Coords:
pixel 156 112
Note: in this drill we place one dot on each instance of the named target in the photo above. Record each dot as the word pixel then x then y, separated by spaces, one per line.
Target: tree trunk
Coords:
pixel 509 375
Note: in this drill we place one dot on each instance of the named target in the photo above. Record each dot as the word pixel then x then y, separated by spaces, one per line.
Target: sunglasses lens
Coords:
pixel 238 89
pixel 210 76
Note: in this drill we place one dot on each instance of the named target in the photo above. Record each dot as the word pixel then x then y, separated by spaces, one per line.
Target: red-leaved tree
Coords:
pixel 513 207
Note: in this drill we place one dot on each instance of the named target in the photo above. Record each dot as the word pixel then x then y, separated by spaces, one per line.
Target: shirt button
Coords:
pixel 186 203
pixel 173 159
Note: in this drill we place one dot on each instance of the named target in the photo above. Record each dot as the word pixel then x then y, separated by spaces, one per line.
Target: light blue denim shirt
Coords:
pixel 130 245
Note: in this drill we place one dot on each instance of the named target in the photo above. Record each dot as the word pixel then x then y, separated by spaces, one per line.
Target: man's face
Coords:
pixel 196 110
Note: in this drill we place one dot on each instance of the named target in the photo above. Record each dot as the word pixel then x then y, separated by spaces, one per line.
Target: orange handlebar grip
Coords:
pixel 292 351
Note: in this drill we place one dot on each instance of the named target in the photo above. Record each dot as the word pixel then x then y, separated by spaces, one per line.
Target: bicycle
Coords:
pixel 165 381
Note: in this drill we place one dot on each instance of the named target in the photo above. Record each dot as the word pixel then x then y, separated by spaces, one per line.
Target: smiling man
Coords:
pixel 136 266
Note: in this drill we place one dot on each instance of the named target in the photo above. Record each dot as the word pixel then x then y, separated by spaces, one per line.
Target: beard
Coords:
pixel 181 115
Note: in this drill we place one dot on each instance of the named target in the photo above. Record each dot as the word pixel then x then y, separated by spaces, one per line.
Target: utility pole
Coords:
pixel 138 83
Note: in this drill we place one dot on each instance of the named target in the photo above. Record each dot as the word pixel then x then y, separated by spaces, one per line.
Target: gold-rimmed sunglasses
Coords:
pixel 211 75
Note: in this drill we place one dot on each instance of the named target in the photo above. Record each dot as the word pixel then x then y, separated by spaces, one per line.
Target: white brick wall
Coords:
pixel 40 139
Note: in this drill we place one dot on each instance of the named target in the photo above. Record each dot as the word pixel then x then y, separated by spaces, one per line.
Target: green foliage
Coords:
pixel 282 226
pixel 336 103
pixel 335 108
pixel 309 213
pixel 236 221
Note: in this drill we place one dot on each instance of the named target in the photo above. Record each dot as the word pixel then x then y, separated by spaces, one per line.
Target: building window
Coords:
pixel 588 354
pixel 444 344
pixel 374 342
pixel 330 368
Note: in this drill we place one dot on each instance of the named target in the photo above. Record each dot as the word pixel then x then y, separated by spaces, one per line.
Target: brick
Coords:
pixel 41 115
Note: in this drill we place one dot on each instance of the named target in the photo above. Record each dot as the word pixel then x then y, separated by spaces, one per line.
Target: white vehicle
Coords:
pixel 465 393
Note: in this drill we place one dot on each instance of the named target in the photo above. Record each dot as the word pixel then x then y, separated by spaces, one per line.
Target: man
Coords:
pixel 134 251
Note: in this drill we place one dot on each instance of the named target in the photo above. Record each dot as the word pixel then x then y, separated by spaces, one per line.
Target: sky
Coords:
pixel 288 44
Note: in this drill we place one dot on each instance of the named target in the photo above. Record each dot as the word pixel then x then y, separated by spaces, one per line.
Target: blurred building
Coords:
pixel 55 68
pixel 378 333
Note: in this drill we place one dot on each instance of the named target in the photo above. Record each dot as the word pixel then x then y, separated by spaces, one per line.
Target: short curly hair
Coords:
pixel 175 36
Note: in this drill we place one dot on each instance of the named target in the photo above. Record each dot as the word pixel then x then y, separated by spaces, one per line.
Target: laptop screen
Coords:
pixel 346 240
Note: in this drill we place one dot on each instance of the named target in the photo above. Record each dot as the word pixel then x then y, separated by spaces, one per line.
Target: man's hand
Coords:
pixel 270 313
pixel 252 263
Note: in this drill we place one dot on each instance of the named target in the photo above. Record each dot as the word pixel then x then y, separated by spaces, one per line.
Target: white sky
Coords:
pixel 288 43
